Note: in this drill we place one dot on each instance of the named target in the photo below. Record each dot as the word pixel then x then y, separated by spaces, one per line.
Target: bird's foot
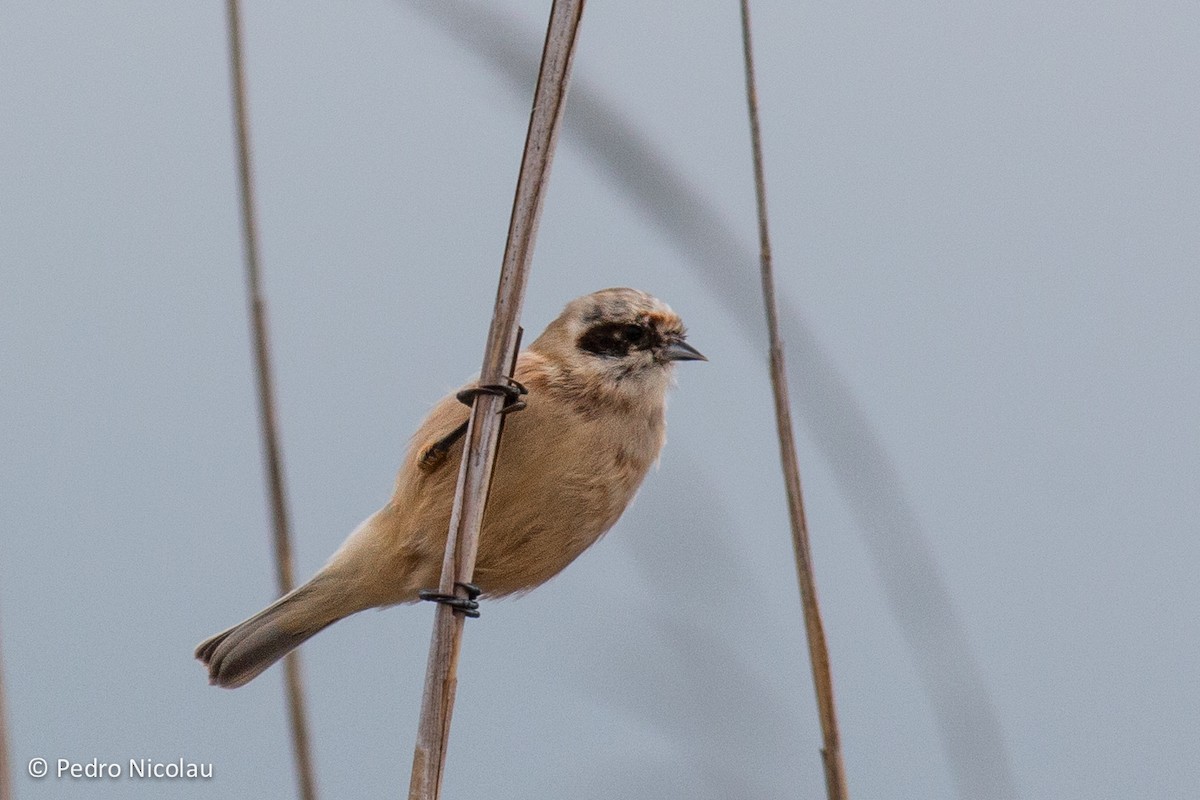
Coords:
pixel 511 391
pixel 467 606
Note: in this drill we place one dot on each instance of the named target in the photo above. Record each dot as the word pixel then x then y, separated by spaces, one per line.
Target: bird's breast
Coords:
pixel 562 480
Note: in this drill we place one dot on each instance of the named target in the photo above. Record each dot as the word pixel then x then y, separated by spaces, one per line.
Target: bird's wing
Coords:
pixel 441 431
pixel 433 455
pixel 447 423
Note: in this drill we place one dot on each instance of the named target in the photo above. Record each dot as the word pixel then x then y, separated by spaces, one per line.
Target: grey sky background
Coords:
pixel 986 213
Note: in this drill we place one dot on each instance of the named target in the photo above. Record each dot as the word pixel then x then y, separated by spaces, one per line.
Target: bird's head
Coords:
pixel 618 340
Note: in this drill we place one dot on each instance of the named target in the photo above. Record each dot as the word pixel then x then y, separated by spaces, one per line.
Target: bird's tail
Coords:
pixel 236 656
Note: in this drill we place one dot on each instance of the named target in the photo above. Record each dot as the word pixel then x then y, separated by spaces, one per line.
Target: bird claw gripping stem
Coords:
pixel 511 391
pixel 467 606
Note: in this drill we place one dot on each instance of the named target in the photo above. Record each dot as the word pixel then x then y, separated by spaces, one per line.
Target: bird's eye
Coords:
pixel 636 335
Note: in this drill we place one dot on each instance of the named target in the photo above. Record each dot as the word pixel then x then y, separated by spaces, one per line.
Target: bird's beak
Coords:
pixel 681 351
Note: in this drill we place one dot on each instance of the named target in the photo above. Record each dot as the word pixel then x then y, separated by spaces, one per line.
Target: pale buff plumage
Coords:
pixel 568 466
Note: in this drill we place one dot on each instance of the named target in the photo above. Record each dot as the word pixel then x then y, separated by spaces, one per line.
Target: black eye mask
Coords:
pixel 617 339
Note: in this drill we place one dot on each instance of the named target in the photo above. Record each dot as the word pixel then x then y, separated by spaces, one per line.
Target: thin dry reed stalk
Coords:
pixel 5 771
pixel 831 753
pixel 293 681
pixel 483 431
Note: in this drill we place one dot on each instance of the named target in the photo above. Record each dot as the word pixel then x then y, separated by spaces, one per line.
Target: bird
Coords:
pixel 569 464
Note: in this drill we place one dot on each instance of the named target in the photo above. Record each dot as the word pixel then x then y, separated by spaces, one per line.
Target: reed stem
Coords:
pixel 5 762
pixel 281 529
pixel 483 431
pixel 831 752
